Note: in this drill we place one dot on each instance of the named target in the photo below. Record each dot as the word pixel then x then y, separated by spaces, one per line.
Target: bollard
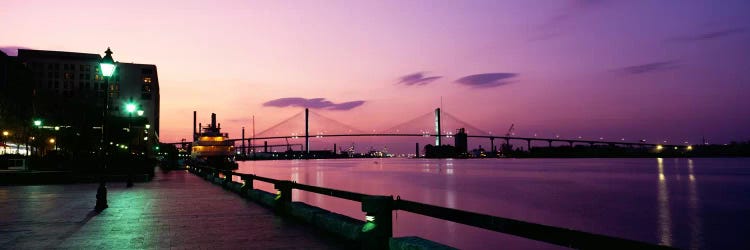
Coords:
pixel 101 196
pixel 284 196
pixel 378 228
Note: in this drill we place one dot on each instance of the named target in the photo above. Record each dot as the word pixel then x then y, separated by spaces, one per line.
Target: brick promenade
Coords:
pixel 176 210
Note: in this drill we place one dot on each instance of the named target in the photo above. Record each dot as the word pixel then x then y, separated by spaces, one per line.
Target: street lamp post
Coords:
pixel 37 125
pixel 130 108
pixel 107 66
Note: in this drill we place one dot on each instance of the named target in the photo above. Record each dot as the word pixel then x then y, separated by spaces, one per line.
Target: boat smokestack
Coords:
pixel 195 118
pixel 213 120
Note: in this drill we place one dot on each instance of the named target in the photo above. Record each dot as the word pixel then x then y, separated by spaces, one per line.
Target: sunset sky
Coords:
pixel 658 70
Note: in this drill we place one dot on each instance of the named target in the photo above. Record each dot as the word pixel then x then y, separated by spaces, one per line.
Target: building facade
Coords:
pixel 75 79
pixel 15 105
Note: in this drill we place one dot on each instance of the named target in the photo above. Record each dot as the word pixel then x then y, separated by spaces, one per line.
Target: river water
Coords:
pixel 701 203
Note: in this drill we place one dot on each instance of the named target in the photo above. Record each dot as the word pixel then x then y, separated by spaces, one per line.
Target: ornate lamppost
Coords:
pixel 107 66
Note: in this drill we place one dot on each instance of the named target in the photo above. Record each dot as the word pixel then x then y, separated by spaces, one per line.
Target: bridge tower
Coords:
pixel 307 131
pixel 437 127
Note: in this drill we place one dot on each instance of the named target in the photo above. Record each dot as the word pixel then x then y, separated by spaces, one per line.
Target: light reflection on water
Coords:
pixel 694 219
pixel 665 219
pixel 639 199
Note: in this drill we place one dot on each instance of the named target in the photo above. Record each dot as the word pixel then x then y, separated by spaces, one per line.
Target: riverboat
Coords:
pixel 211 148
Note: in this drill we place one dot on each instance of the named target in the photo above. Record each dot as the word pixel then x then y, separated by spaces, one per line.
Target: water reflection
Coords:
pixel 295 178
pixel 319 181
pixel 558 192
pixel 694 210
pixel 665 218
pixel 450 198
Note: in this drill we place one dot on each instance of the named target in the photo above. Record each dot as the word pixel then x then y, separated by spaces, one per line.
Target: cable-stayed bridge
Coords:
pixel 439 125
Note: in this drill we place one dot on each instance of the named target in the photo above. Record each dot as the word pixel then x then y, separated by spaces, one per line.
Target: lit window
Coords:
pixel 147 79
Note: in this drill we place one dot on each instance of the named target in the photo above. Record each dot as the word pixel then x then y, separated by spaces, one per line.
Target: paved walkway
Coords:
pixel 176 210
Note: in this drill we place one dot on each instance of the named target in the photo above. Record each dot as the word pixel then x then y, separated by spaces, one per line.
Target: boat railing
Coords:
pixel 378 209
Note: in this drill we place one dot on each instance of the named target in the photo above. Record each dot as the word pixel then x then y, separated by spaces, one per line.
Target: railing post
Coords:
pixel 248 178
pixel 227 179
pixel 378 228
pixel 284 198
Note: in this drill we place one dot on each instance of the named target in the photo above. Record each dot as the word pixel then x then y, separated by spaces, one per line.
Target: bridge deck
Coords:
pixel 175 210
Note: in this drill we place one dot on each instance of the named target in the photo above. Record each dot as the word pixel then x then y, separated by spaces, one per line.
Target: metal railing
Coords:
pixel 379 208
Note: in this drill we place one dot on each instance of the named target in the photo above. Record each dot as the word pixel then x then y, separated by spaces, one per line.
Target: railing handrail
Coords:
pixel 352 196
pixel 550 234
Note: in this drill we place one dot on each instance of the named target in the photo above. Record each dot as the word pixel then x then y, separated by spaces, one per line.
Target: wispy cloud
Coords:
pixel 314 103
pixel 419 78
pixel 711 35
pixel 648 67
pixel 11 50
pixel 554 26
pixel 487 80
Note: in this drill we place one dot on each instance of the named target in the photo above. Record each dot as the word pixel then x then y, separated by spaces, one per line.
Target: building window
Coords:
pixel 88 86
pixel 67 75
pixel 57 84
pixel 147 79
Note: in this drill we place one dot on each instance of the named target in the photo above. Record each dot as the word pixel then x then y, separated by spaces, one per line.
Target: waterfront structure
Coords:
pixel 461 142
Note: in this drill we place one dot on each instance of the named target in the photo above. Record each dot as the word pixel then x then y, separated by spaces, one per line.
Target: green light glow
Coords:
pixel 107 69
pixel 38 123
pixel 369 226
pixel 130 107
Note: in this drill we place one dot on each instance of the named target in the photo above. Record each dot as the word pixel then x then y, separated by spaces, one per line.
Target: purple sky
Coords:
pixel 659 70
